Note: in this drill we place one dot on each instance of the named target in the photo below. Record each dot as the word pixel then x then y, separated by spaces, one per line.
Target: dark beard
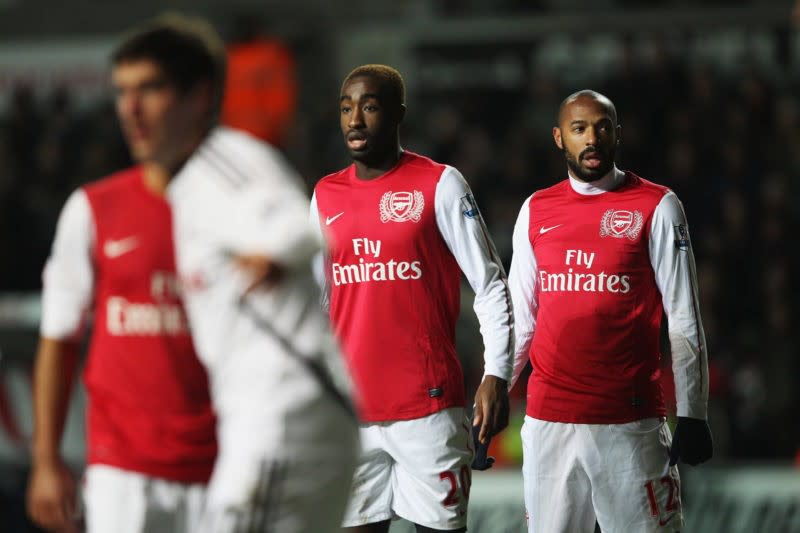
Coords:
pixel 591 174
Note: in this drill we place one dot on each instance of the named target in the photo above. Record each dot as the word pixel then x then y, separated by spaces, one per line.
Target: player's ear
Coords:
pixel 619 133
pixel 557 137
pixel 401 113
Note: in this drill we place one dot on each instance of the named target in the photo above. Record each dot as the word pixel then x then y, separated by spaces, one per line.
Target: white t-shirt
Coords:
pixel 237 196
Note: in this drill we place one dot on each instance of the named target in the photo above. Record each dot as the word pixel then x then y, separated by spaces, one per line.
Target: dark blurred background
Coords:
pixel 707 96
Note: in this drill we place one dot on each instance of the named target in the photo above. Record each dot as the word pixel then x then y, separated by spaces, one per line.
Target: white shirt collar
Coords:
pixel 609 182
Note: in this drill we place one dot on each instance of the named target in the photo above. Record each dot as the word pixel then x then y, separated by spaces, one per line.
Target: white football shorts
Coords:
pixel 618 474
pixel 129 502
pixel 285 475
pixel 414 469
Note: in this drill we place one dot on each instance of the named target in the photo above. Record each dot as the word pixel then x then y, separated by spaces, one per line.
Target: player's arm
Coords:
pixel 318 263
pixel 68 280
pixel 51 490
pixel 674 266
pixel 522 280
pixel 464 231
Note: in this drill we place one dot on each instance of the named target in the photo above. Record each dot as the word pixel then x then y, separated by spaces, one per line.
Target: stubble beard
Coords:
pixel 589 175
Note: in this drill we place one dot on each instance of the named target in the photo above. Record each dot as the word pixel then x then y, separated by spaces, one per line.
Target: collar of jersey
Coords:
pixel 613 180
pixel 355 179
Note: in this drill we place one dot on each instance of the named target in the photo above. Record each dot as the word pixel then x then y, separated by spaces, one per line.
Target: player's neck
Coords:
pixel 613 179
pixel 371 170
pixel 156 178
pixel 159 171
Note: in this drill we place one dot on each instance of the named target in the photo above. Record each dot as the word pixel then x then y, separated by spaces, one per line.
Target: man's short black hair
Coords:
pixel 187 49
pixel 388 77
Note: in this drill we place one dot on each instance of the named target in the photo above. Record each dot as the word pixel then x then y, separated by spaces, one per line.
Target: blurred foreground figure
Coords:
pixel 598 259
pixel 287 433
pixel 151 428
pixel 400 230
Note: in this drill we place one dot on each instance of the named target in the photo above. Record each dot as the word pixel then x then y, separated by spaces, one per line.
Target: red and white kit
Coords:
pixel 149 413
pixel 397 246
pixel 595 265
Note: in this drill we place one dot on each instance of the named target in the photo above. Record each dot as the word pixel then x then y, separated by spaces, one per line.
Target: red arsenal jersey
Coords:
pixel 394 289
pixel 595 351
pixel 149 407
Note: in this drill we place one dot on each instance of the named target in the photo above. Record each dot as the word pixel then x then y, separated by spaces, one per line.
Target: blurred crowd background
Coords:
pixel 707 96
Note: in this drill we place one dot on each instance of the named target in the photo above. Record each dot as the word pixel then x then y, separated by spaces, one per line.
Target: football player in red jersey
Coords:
pixel 211 206
pixel 401 229
pixel 150 424
pixel 598 259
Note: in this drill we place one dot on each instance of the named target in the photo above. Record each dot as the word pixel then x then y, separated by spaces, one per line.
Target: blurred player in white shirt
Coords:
pixel 287 434
pixel 598 259
pixel 286 431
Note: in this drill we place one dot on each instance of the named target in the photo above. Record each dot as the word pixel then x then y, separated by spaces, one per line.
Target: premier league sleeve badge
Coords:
pixel 681 237
pixel 468 206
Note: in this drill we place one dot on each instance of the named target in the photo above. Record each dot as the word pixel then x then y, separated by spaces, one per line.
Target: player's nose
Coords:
pixel 129 106
pixel 356 119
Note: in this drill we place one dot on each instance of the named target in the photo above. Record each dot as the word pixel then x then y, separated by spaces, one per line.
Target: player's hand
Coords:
pixel 481 460
pixel 691 443
pixel 491 408
pixel 51 499
pixel 261 270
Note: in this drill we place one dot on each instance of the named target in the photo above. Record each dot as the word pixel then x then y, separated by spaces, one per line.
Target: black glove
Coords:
pixel 691 442
pixel 481 462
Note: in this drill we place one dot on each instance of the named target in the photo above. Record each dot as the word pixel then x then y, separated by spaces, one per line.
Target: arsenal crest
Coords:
pixel 402 206
pixel 620 223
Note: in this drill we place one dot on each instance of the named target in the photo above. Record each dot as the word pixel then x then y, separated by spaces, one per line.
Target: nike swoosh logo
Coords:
pixel 116 248
pixel 329 220
pixel 544 230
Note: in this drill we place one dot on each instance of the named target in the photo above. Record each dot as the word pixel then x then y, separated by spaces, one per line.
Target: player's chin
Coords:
pixel 362 155
pixel 595 173
pixel 141 149
pixel 141 154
